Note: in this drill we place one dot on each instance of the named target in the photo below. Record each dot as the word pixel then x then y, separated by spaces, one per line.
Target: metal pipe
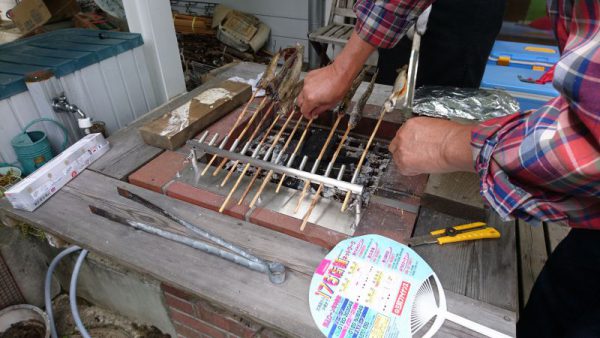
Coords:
pixel 261 266
pixel 316 19
pixel 328 181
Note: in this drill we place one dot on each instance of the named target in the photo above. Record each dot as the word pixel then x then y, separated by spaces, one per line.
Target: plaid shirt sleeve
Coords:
pixel 383 23
pixel 544 165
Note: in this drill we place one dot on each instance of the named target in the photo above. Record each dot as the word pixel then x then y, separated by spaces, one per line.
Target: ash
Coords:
pixel 375 164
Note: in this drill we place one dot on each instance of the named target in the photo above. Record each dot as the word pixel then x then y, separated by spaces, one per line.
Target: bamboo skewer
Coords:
pixel 241 136
pixel 298 145
pixel 329 168
pixel 266 157
pixel 239 180
pixel 313 203
pixel 363 156
pixel 270 82
pixel 316 164
pixel 254 132
pixel 270 173
pixel 398 92
pixel 235 124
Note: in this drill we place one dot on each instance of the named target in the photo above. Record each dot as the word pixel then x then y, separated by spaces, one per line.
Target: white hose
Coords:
pixel 73 295
pixel 48 286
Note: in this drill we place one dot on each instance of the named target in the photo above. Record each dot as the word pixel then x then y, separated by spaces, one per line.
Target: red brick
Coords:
pixel 393 223
pixel 167 289
pixel 289 225
pixel 158 172
pixel 401 187
pixel 196 324
pixel 206 199
pixel 237 325
pixel 186 332
pixel 179 304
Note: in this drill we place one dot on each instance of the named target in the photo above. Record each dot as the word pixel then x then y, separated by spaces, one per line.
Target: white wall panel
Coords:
pixel 116 91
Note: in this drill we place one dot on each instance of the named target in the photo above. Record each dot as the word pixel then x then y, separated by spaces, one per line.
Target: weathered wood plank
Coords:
pixel 128 150
pixel 238 289
pixel 173 129
pixel 555 233
pixel 485 270
pixel 533 255
pixel 501 320
pixel 345 12
pixel 455 194
pixel 235 288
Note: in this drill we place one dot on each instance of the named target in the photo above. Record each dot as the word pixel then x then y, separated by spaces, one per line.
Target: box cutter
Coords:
pixel 459 233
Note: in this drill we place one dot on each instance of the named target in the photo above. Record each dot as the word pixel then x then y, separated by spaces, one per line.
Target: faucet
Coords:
pixel 60 104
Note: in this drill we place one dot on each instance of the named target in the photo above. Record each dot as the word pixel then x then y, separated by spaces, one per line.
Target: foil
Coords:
pixel 464 103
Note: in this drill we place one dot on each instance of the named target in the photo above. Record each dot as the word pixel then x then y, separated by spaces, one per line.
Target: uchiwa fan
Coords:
pixel 372 286
pixel 430 303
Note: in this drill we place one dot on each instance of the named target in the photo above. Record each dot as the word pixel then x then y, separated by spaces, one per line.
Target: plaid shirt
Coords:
pixel 541 165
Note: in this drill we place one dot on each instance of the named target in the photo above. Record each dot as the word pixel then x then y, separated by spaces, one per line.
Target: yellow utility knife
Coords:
pixel 459 233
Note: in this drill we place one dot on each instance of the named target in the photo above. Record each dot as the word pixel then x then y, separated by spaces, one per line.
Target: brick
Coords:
pixel 408 189
pixel 158 172
pixel 197 324
pixel 206 199
pixel 187 332
pixel 167 289
pixel 387 221
pixel 179 304
pixel 234 324
pixel 291 226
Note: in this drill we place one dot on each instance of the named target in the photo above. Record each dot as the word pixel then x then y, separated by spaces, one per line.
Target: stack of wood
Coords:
pixel 189 24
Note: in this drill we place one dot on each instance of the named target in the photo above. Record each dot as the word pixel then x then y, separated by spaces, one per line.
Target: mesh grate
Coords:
pixel 9 291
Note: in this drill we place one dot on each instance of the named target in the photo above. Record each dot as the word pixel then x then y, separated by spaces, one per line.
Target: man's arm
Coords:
pixel 379 24
pixel 429 145
pixel 325 87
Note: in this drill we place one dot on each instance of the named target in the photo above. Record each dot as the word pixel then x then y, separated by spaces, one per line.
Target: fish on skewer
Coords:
pixel 341 111
pixel 266 78
pixel 271 89
pixel 359 107
pixel 285 107
pixel 398 92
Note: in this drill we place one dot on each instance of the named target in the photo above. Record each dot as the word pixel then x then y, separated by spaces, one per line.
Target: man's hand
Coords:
pixel 427 145
pixel 325 87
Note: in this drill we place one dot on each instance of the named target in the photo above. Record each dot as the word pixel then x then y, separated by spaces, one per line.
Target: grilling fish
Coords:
pixel 399 90
pixel 287 103
pixel 269 74
pixel 343 106
pixel 274 86
pixel 291 78
pixel 357 110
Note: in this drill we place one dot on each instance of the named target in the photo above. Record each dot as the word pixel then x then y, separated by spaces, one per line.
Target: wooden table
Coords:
pixel 480 278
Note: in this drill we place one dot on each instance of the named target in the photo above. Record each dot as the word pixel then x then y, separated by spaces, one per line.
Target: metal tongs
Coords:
pixel 230 252
pixel 418 30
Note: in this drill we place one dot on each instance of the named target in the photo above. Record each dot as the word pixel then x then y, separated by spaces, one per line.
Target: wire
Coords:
pixel 73 295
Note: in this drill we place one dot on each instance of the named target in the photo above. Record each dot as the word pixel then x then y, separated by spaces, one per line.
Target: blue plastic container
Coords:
pixel 529 95
pixel 523 55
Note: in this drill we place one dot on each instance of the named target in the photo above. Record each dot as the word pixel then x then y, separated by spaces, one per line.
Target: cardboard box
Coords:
pixel 36 188
pixel 31 14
